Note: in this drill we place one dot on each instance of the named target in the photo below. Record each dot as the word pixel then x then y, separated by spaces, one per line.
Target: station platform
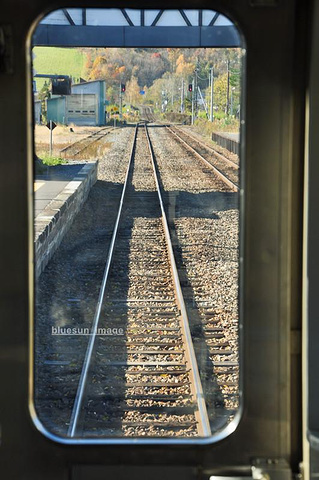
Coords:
pixel 59 193
pixel 50 183
pixel 231 136
pixel 227 140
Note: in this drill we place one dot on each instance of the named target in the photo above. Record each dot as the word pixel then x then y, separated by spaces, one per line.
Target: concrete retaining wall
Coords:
pixel 54 221
pixel 226 142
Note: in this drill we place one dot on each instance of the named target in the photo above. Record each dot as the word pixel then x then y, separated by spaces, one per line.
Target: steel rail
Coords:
pixel 85 368
pixel 68 147
pixel 223 177
pixel 202 417
pixel 214 152
pixel 84 138
pixel 94 141
pixel 147 112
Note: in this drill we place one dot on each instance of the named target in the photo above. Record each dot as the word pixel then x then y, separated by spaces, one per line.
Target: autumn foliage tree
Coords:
pixel 133 91
pixel 184 68
pixel 162 73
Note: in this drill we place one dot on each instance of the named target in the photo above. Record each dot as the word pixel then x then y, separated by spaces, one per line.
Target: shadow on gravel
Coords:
pixel 201 205
pixel 66 296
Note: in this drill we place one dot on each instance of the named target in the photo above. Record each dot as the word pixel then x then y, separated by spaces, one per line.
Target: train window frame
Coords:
pixel 310 263
pixel 232 426
pixel 276 36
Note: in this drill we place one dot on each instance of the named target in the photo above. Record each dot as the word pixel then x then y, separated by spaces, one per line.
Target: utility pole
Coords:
pixel 231 100
pixel 203 101
pixel 193 93
pixel 172 84
pixel 227 104
pixel 182 97
pixel 211 117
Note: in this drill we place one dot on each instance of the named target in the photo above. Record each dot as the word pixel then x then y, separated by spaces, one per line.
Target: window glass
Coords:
pixel 136 221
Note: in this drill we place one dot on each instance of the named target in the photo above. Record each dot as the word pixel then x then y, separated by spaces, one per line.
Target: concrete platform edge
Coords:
pixel 54 221
pixel 226 142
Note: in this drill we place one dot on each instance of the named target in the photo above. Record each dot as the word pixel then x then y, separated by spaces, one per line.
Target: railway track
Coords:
pixel 223 167
pixel 78 147
pixel 234 161
pixel 143 381
pixel 227 170
pixel 139 382
pixel 204 228
pixel 146 113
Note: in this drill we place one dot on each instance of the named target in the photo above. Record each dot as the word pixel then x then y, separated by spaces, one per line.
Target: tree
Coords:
pixel 133 91
pixel 173 54
pixel 44 92
pixel 43 95
pixel 184 68
pixel 220 92
pixel 161 71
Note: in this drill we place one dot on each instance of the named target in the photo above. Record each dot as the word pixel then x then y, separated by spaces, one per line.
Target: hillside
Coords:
pixel 62 61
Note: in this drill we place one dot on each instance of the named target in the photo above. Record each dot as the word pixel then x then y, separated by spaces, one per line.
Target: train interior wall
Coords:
pixel 277 43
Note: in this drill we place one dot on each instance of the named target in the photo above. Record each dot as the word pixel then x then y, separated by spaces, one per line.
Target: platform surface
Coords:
pixel 50 183
pixel 230 135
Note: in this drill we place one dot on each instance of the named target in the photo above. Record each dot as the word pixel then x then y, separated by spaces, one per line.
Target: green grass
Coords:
pixel 58 61
pixel 51 161
pixel 226 124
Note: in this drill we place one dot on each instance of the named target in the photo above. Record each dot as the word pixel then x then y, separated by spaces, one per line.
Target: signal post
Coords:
pixel 122 90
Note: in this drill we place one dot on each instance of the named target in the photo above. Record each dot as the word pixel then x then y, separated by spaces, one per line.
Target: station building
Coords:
pixel 85 105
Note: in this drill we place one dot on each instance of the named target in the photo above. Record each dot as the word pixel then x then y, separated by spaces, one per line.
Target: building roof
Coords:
pixel 86 82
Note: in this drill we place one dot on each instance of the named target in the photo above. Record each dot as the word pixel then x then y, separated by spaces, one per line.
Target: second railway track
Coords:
pixel 226 169
pixel 78 147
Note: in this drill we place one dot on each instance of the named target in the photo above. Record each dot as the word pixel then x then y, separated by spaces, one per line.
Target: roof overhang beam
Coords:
pixel 135 36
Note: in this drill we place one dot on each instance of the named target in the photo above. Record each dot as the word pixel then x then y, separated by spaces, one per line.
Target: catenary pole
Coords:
pixel 212 94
